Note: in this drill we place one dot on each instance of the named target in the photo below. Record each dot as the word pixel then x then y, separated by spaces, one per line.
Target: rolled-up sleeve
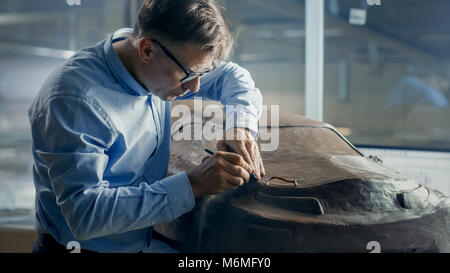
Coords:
pixel 72 137
pixel 234 87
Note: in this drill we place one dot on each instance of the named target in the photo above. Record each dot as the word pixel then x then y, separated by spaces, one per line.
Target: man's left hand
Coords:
pixel 241 141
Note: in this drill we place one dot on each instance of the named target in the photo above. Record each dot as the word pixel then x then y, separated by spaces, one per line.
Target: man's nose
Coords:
pixel 193 85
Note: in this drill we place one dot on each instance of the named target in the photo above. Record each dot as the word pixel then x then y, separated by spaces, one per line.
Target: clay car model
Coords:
pixel 319 194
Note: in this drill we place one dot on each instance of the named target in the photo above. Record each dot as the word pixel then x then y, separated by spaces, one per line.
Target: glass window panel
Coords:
pixel 387 72
pixel 35 37
pixel 271 45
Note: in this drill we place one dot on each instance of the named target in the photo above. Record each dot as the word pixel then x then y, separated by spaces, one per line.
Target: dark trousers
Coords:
pixel 45 243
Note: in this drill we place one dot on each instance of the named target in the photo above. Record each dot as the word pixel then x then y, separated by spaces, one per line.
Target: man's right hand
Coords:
pixel 221 172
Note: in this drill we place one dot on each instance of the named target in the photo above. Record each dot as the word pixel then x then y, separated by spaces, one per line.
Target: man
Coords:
pixel 101 129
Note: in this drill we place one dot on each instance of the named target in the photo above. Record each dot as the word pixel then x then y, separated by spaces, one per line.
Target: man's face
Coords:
pixel 161 75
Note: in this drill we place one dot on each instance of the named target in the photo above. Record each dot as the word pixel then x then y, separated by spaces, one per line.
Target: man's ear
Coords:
pixel 146 48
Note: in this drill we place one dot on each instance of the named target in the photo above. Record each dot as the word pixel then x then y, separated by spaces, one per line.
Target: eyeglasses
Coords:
pixel 189 75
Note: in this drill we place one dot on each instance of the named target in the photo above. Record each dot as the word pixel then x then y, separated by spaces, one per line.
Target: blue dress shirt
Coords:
pixel 101 150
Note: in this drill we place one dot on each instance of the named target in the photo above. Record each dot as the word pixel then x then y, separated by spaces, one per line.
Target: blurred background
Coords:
pixel 386 76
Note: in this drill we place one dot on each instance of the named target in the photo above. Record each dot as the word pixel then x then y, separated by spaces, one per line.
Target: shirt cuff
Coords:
pixel 180 195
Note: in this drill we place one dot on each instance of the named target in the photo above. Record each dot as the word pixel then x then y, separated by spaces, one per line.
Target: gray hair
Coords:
pixel 197 21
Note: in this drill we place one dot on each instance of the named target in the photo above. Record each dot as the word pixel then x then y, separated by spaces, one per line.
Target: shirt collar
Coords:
pixel 119 71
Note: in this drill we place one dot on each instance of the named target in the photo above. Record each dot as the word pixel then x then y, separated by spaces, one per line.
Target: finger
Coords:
pixel 235 159
pixel 231 180
pixel 227 187
pixel 224 186
pixel 258 158
pixel 237 171
pixel 255 160
pixel 244 152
